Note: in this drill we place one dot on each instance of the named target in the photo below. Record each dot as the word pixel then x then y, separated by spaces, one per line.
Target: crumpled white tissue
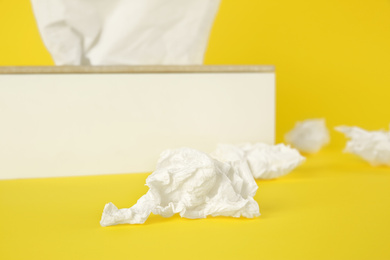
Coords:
pixel 308 136
pixel 265 161
pixel 193 184
pixel 123 32
pixel 372 146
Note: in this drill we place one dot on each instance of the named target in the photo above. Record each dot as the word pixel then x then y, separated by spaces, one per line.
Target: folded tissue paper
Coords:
pixel 372 146
pixel 122 32
pixel 308 136
pixel 264 161
pixel 193 184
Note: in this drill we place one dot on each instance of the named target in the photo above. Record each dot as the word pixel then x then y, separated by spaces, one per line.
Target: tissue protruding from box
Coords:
pixel 193 184
pixel 107 32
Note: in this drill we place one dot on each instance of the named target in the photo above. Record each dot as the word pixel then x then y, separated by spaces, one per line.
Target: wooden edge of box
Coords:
pixel 135 69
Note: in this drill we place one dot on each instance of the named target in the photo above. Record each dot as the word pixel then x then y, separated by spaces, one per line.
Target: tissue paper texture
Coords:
pixel 308 136
pixel 122 32
pixel 194 185
pixel 372 146
pixel 264 161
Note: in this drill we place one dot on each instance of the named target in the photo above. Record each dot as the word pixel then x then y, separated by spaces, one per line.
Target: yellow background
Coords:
pixel 333 61
pixel 332 57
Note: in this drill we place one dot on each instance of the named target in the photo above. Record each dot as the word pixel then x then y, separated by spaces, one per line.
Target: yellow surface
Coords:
pixel 332 57
pixel 332 207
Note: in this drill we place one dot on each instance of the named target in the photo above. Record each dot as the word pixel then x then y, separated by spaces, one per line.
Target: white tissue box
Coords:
pixel 67 121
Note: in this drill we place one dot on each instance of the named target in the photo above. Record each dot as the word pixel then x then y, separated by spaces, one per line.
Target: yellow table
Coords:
pixel 334 206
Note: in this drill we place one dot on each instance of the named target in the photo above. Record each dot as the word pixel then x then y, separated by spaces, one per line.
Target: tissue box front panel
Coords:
pixel 86 124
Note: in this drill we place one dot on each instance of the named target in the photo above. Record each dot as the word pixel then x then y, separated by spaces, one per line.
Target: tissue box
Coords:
pixel 67 121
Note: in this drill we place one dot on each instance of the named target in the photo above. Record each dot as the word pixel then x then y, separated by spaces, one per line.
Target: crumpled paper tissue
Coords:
pixel 264 161
pixel 308 136
pixel 123 32
pixel 372 146
pixel 193 184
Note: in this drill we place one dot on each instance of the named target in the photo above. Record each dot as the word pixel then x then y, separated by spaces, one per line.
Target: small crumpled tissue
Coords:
pixel 308 136
pixel 193 184
pixel 372 146
pixel 265 161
